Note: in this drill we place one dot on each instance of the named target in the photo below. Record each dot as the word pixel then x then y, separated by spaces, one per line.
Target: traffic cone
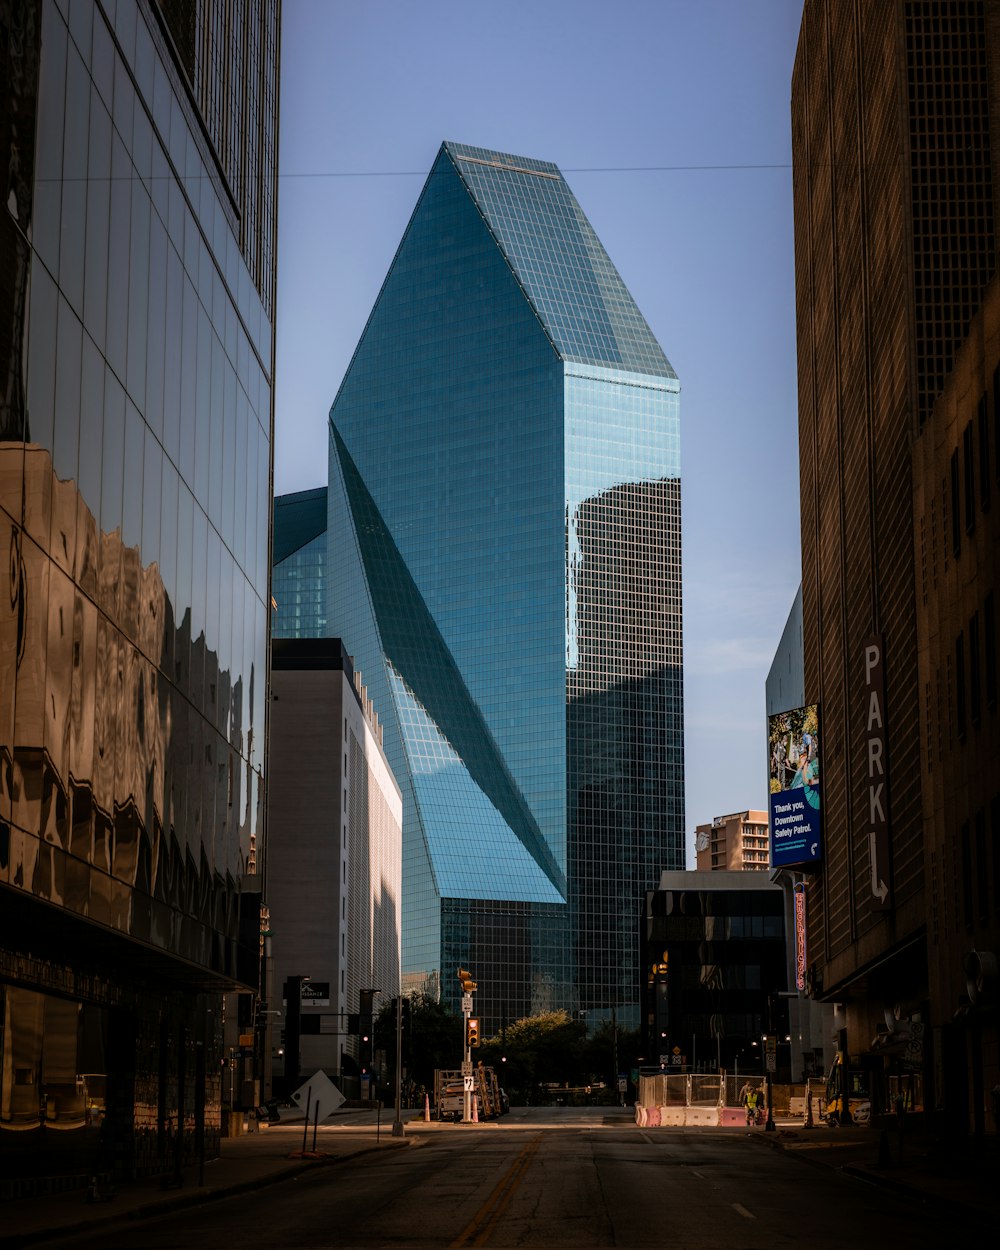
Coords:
pixel 475 1108
pixel 427 1108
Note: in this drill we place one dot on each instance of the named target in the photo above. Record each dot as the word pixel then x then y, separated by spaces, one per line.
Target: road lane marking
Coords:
pixel 747 1215
pixel 700 1175
pixel 480 1227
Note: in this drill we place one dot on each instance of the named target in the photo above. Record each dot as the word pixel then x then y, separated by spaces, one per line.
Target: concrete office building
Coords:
pixel 334 854
pixel 895 247
pixel 137 268
pixel 505 564
pixel 734 843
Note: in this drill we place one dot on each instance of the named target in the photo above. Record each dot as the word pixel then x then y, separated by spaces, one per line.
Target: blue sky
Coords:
pixel 670 121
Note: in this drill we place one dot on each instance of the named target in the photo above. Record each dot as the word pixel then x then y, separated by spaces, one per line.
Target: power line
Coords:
pixel 568 169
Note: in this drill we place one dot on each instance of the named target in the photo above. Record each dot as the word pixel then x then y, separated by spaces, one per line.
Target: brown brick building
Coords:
pixel 734 843
pixel 895 181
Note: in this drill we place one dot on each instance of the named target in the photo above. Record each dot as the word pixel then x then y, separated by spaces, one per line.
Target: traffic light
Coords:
pixel 472 1032
pixel 466 981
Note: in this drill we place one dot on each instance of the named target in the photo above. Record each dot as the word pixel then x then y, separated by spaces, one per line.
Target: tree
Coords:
pixel 432 1038
pixel 536 1050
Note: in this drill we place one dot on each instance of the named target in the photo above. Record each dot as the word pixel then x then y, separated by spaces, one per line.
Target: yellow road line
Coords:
pixel 481 1226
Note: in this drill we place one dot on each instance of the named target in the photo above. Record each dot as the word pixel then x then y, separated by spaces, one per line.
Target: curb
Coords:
pixel 182 1201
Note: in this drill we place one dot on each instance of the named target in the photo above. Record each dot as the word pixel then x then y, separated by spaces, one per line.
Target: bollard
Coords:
pixel 809 1110
pixel 427 1108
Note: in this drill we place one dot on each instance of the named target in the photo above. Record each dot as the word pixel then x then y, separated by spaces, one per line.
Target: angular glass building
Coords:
pixel 505 567
pixel 298 565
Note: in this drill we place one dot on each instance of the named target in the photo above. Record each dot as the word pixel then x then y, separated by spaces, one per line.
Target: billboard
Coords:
pixel 794 785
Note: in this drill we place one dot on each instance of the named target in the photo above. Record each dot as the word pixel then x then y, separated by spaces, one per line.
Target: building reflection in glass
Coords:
pixel 136 356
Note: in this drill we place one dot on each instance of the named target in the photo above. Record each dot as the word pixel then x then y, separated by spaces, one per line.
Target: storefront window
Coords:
pixel 51 1062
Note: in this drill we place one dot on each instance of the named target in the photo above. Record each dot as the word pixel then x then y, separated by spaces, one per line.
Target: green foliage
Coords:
pixel 432 1038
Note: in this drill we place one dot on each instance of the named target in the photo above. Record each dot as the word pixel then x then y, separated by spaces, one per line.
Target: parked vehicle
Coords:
pixel 847 1095
pixel 449 1093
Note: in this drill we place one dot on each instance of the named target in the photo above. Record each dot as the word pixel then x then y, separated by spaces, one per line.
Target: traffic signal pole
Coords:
pixel 397 1124
pixel 468 985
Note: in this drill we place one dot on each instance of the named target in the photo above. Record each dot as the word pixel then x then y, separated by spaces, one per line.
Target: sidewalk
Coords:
pixel 931 1173
pixel 248 1162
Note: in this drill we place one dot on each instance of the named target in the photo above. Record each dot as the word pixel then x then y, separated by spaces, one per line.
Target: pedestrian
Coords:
pixel 750 1102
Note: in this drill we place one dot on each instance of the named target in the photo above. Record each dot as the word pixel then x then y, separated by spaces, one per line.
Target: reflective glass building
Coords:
pixel 505 566
pixel 298 574
pixel 137 249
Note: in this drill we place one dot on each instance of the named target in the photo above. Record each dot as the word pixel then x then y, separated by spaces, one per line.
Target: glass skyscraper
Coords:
pixel 298 559
pixel 137 277
pixel 505 566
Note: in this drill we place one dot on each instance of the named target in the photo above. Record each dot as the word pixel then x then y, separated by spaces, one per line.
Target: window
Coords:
pixel 960 685
pixel 968 455
pixel 982 876
pixel 984 455
pixel 965 838
pixel 996 423
pixel 956 509
pixel 975 706
pixel 990 650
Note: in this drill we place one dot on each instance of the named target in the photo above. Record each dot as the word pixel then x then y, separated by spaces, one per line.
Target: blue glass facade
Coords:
pixel 505 565
pixel 298 556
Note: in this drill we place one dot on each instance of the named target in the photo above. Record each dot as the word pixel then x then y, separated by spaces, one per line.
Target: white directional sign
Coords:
pixel 470 1084
pixel 467 1003
pixel 318 1089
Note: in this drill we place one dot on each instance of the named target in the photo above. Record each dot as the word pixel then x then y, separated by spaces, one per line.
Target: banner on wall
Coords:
pixel 794 785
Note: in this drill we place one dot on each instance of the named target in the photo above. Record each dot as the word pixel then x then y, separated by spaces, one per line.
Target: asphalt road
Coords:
pixel 581 1183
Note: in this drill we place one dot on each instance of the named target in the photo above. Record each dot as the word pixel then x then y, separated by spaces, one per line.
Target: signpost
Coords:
pixel 319 1097
pixel 468 1081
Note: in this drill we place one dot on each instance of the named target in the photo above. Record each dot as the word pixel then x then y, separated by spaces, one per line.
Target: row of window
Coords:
pixel 980 865
pixel 976 649
pixel 976 469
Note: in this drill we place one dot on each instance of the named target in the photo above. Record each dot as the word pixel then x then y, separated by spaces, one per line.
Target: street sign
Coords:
pixel 466 1067
pixel 771 1053
pixel 324 1097
pixel 315 994
pixel 469 1083
pixel 466 1002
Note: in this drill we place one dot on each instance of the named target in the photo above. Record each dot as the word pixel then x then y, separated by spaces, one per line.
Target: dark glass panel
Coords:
pixel 118 256
pixel 124 103
pixel 169 526
pixel 189 385
pixel 138 297
pixel 66 433
pixel 45 212
pixel 43 310
pixel 227 454
pixel 95 291
pixel 72 247
pixel 91 426
pixel 132 500
pixel 240 479
pixel 113 454
pixel 84 689
pixel 151 487
pixel 156 328
pixel 203 410
pixel 215 419
pixel 58 696
pixel 173 333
